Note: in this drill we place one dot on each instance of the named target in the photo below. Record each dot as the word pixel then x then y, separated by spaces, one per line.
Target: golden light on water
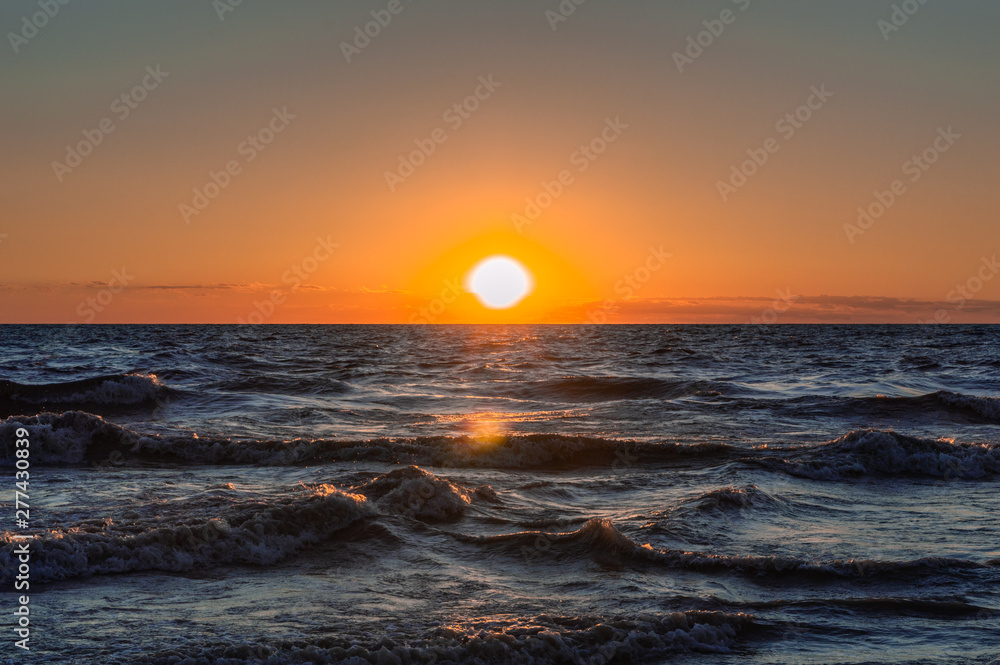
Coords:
pixel 486 429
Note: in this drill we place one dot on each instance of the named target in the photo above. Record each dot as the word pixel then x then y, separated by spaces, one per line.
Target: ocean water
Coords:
pixel 506 494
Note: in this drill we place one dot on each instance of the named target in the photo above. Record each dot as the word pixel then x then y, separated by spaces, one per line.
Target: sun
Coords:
pixel 499 281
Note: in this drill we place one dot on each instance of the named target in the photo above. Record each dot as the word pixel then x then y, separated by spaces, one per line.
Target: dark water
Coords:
pixel 481 494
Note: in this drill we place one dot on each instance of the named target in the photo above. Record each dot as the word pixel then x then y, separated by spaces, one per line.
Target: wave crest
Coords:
pixel 601 540
pixel 872 451
pixel 111 391
pixel 256 534
pixel 541 640
pixel 78 437
pixel 74 437
pixel 726 498
pixel 987 407
pixel 413 492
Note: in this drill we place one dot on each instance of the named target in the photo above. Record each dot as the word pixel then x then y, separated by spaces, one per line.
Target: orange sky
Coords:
pixel 592 120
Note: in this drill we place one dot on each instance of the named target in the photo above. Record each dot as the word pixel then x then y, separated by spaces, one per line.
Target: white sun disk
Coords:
pixel 499 282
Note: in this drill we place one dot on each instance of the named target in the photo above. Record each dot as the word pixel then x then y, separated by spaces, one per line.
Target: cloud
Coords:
pixel 314 303
pixel 798 309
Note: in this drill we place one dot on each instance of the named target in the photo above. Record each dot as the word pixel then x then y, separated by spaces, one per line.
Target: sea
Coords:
pixel 713 494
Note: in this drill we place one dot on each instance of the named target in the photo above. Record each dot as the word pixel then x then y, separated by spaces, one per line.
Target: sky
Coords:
pixel 350 162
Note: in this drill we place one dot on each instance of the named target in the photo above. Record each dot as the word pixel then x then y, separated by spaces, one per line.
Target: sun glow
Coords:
pixel 443 293
pixel 499 282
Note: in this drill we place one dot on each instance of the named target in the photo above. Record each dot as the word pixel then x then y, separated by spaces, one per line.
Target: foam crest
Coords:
pixel 257 534
pixel 865 452
pixel 74 437
pixel 600 540
pixel 414 492
pixel 540 640
pixel 987 407
pixel 727 498
pixel 116 390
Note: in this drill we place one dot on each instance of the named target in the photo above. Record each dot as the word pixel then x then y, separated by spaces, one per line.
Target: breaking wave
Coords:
pixel 987 407
pixel 880 452
pixel 727 498
pixel 74 437
pixel 601 541
pixel 942 404
pixel 539 640
pixel 256 534
pixel 77 437
pixel 100 393
pixel 413 492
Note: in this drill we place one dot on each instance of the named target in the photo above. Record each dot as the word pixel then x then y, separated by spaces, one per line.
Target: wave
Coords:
pixel 77 437
pixel 413 492
pixel 99 393
pixel 973 407
pixel 283 384
pixel 930 607
pixel 959 407
pixel 881 452
pixel 538 640
pixel 617 388
pixel 258 534
pixel 74 437
pixel 920 362
pixel 727 498
pixel 218 527
pixel 601 541
pixel 987 407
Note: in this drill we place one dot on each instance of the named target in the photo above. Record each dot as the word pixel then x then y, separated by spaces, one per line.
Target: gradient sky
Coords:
pixel 775 250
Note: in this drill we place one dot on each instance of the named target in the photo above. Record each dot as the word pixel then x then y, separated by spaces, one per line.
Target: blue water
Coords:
pixel 494 494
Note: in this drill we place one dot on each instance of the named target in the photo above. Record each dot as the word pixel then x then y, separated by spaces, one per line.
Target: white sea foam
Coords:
pixel 414 492
pixel 726 498
pixel 988 407
pixel 63 438
pixel 890 453
pixel 126 389
pixel 256 534
pixel 601 540
pixel 539 640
